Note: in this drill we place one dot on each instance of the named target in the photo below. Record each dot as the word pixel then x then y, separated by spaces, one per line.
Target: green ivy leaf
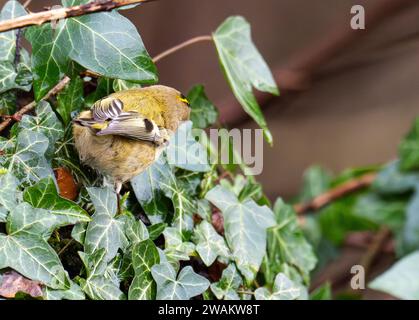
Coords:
pixel 144 257
pixel 8 102
pixel 401 280
pixel 119 85
pixel 409 149
pixel 245 225
pixel 284 289
pixel 411 225
pixel 287 244
pixel 209 244
pixel 156 230
pixel 113 49
pixel 135 230
pixel 70 99
pixel 24 156
pixel 105 230
pixel 244 67
pixel 44 195
pixel 74 293
pixel 203 112
pixel 96 285
pixel 226 288
pixel 186 153
pixel 188 284
pixel 175 248
pixel 391 180
pixel 8 192
pixel 45 122
pixel 26 250
pixel 316 181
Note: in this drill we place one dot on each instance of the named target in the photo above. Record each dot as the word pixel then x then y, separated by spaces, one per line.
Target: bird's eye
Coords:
pixel 183 99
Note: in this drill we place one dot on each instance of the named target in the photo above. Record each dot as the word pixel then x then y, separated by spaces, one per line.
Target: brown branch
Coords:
pixel 18 115
pixel 27 3
pixel 336 193
pixel 181 46
pixel 374 248
pixel 64 13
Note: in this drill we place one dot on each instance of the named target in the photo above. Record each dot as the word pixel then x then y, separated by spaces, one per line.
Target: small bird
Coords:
pixel 125 132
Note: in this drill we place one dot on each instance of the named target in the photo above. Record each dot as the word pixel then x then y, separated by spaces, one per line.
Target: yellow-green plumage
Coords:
pixel 120 157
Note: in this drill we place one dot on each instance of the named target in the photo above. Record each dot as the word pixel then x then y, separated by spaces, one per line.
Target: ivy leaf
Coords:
pixel 96 286
pixel 104 231
pixel 175 248
pixel 244 67
pixel 188 284
pixel 144 257
pixel 119 84
pixel 186 153
pixel 401 280
pixel 70 99
pixel 228 285
pixel 135 230
pixel 409 149
pixel 24 156
pixel 79 232
pixel 209 244
pixel 411 226
pixel 25 249
pixel 74 293
pixel 8 102
pixel 11 10
pixel 158 182
pixel 49 56
pixel 8 192
pixel 316 181
pixel 391 180
pixel 148 190
pixel 113 49
pixel 45 122
pixel 156 230
pixel 284 289
pixel 44 195
pixel 245 225
pixel 203 112
pixel 287 244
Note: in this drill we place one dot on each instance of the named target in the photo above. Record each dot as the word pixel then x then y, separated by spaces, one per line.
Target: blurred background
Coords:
pixel 347 96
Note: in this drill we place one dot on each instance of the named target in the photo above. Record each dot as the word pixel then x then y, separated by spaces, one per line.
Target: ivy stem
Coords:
pixel 65 247
pixel 181 46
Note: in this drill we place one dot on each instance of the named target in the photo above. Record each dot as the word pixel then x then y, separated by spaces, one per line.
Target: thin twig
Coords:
pixel 65 247
pixel 64 13
pixel 374 248
pixel 335 193
pixel 27 3
pixel 181 46
pixel 60 86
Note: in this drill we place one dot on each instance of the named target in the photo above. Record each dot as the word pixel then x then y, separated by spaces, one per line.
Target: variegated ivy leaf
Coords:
pixel 24 156
pixel 113 49
pixel 3 214
pixel 105 230
pixel 153 186
pixel 186 153
pixel 73 293
pixel 96 285
pixel 44 195
pixel 135 230
pixel 8 191
pixel 119 85
pixel 155 230
pixel 175 248
pixel 244 67
pixel 186 285
pixel 287 244
pixel 283 289
pixel 26 250
pixel 226 287
pixel 245 225
pixel 209 244
pixel 144 257
pixel 79 232
pixel 12 9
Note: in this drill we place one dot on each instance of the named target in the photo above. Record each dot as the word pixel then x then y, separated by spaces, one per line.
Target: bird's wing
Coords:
pixel 109 118
pixel 134 126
